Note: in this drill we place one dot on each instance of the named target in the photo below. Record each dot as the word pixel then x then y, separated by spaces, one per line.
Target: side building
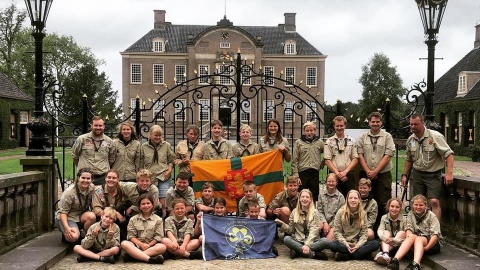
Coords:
pixel 457 102
pixel 170 55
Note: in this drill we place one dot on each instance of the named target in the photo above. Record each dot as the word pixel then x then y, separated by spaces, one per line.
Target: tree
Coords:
pixel 380 81
pixel 11 20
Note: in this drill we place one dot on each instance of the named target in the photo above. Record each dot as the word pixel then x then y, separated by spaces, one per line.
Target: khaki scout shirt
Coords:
pixel 223 151
pixel 195 152
pixel 328 205
pixel 428 152
pixel 179 229
pixel 74 204
pixel 371 208
pixel 241 150
pixel 102 240
pixel 429 225
pixel 296 229
pixel 172 193
pixel 334 146
pixel 344 232
pixel 202 201
pixel 283 200
pixel 102 199
pixel 387 224
pixel 157 168
pixel 94 153
pixel 243 204
pixel 272 144
pixel 131 192
pixel 127 159
pixel 375 147
pixel 306 155
pixel 145 229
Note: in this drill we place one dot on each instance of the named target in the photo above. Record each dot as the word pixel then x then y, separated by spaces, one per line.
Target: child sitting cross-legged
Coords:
pixel 102 240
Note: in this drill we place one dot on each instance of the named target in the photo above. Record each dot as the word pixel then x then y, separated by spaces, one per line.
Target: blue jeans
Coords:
pixel 360 254
pixel 296 245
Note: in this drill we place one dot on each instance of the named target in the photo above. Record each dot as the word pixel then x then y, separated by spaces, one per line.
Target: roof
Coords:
pixel 273 38
pixel 9 90
pixel 446 87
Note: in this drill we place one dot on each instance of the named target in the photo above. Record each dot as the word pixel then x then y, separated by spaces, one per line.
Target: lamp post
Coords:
pixel 38 11
pixel 431 13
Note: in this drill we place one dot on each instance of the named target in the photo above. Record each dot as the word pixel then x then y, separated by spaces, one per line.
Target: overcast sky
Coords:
pixel 348 32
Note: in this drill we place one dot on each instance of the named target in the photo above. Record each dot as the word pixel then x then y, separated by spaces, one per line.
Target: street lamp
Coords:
pixel 38 11
pixel 431 13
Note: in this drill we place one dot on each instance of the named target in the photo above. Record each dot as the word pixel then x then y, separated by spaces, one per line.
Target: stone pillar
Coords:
pixel 473 211
pixel 47 191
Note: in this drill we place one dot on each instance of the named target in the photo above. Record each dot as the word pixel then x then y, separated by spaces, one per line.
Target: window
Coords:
pixel 289 117
pixel 203 71
pixel 226 71
pixel 310 111
pixel 311 76
pixel 159 110
pixel 23 117
pixel 135 73
pixel 180 74
pixel 290 47
pixel 267 110
pixel 269 72
pixel 133 106
pixel 158 45
pixel 289 76
pixel 158 74
pixel 246 109
pixel 180 114
pixel 246 72
pixel 204 110
pixel 462 84
pixel 224 45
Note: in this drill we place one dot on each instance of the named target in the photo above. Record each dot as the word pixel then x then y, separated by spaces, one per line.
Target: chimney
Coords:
pixel 476 44
pixel 159 19
pixel 290 22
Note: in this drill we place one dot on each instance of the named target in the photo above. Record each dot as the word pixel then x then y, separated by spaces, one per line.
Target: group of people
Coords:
pixel 127 183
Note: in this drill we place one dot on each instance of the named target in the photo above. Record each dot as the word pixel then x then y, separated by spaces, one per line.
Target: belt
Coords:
pixel 428 173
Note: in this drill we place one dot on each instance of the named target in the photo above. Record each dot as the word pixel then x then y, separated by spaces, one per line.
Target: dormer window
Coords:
pixel 462 85
pixel 158 45
pixel 290 47
pixel 466 81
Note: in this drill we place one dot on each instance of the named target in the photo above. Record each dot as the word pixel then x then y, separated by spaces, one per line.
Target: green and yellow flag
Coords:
pixel 228 175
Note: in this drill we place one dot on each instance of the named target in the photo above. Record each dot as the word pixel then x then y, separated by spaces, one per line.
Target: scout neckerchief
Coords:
pixel 394 227
pixel 179 193
pixel 124 141
pixel 191 146
pixel 245 149
pixel 95 144
pixel 271 141
pixel 373 141
pixel 216 146
pixel 178 224
pixel 353 216
pixel 83 207
pixel 155 151
pixel 305 224
pixel 341 146
pixel 420 218
pixel 291 201
pixel 102 241
pixel 105 192
pixel 366 201
pixel 140 192
pixel 305 139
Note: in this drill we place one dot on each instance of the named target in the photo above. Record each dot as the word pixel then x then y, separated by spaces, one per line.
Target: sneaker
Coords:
pixel 81 259
pixel 293 254
pixel 196 255
pixel 409 266
pixel 320 255
pixel 107 259
pixel 126 257
pixel 393 265
pixel 275 251
pixel 340 257
pixel 382 258
pixel 416 266
pixel 156 260
pixel 379 254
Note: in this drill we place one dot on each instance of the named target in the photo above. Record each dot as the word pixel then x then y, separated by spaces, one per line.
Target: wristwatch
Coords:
pixel 404 174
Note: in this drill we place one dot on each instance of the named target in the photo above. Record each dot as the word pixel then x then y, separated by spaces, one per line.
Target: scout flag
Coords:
pixel 228 175
pixel 234 238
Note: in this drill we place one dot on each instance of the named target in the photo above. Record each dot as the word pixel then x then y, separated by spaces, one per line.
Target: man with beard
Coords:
pixel 94 151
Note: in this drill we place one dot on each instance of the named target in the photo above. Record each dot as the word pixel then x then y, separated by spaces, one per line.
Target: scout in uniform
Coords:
pixel 245 147
pixel 206 202
pixel 94 151
pixel 391 231
pixel 181 190
pixel 341 156
pixel 217 147
pixel 307 159
pixel 189 149
pixel 274 140
pixel 127 157
pixel 369 205
pixel 284 202
pixel 132 191
pixel 329 202
pixel 250 191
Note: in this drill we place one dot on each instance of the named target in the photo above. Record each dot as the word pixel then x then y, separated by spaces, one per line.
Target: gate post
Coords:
pixel 339 107
pixel 387 115
pixel 238 87
pixel 84 114
pixel 137 116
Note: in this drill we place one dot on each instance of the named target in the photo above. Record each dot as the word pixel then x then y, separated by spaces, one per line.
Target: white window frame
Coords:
pixel 289 116
pixel 289 71
pixel 178 109
pixel 132 108
pixel 203 70
pixel 225 80
pixel 157 108
pixel 269 71
pixel 290 47
pixel 158 74
pixel 204 110
pixel 246 72
pixel 224 45
pixel 268 110
pixel 180 73
pixel 311 76
pixel 23 117
pixel 462 84
pixel 310 113
pixel 158 45
pixel 460 127
pixel 135 73
pixel 246 111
